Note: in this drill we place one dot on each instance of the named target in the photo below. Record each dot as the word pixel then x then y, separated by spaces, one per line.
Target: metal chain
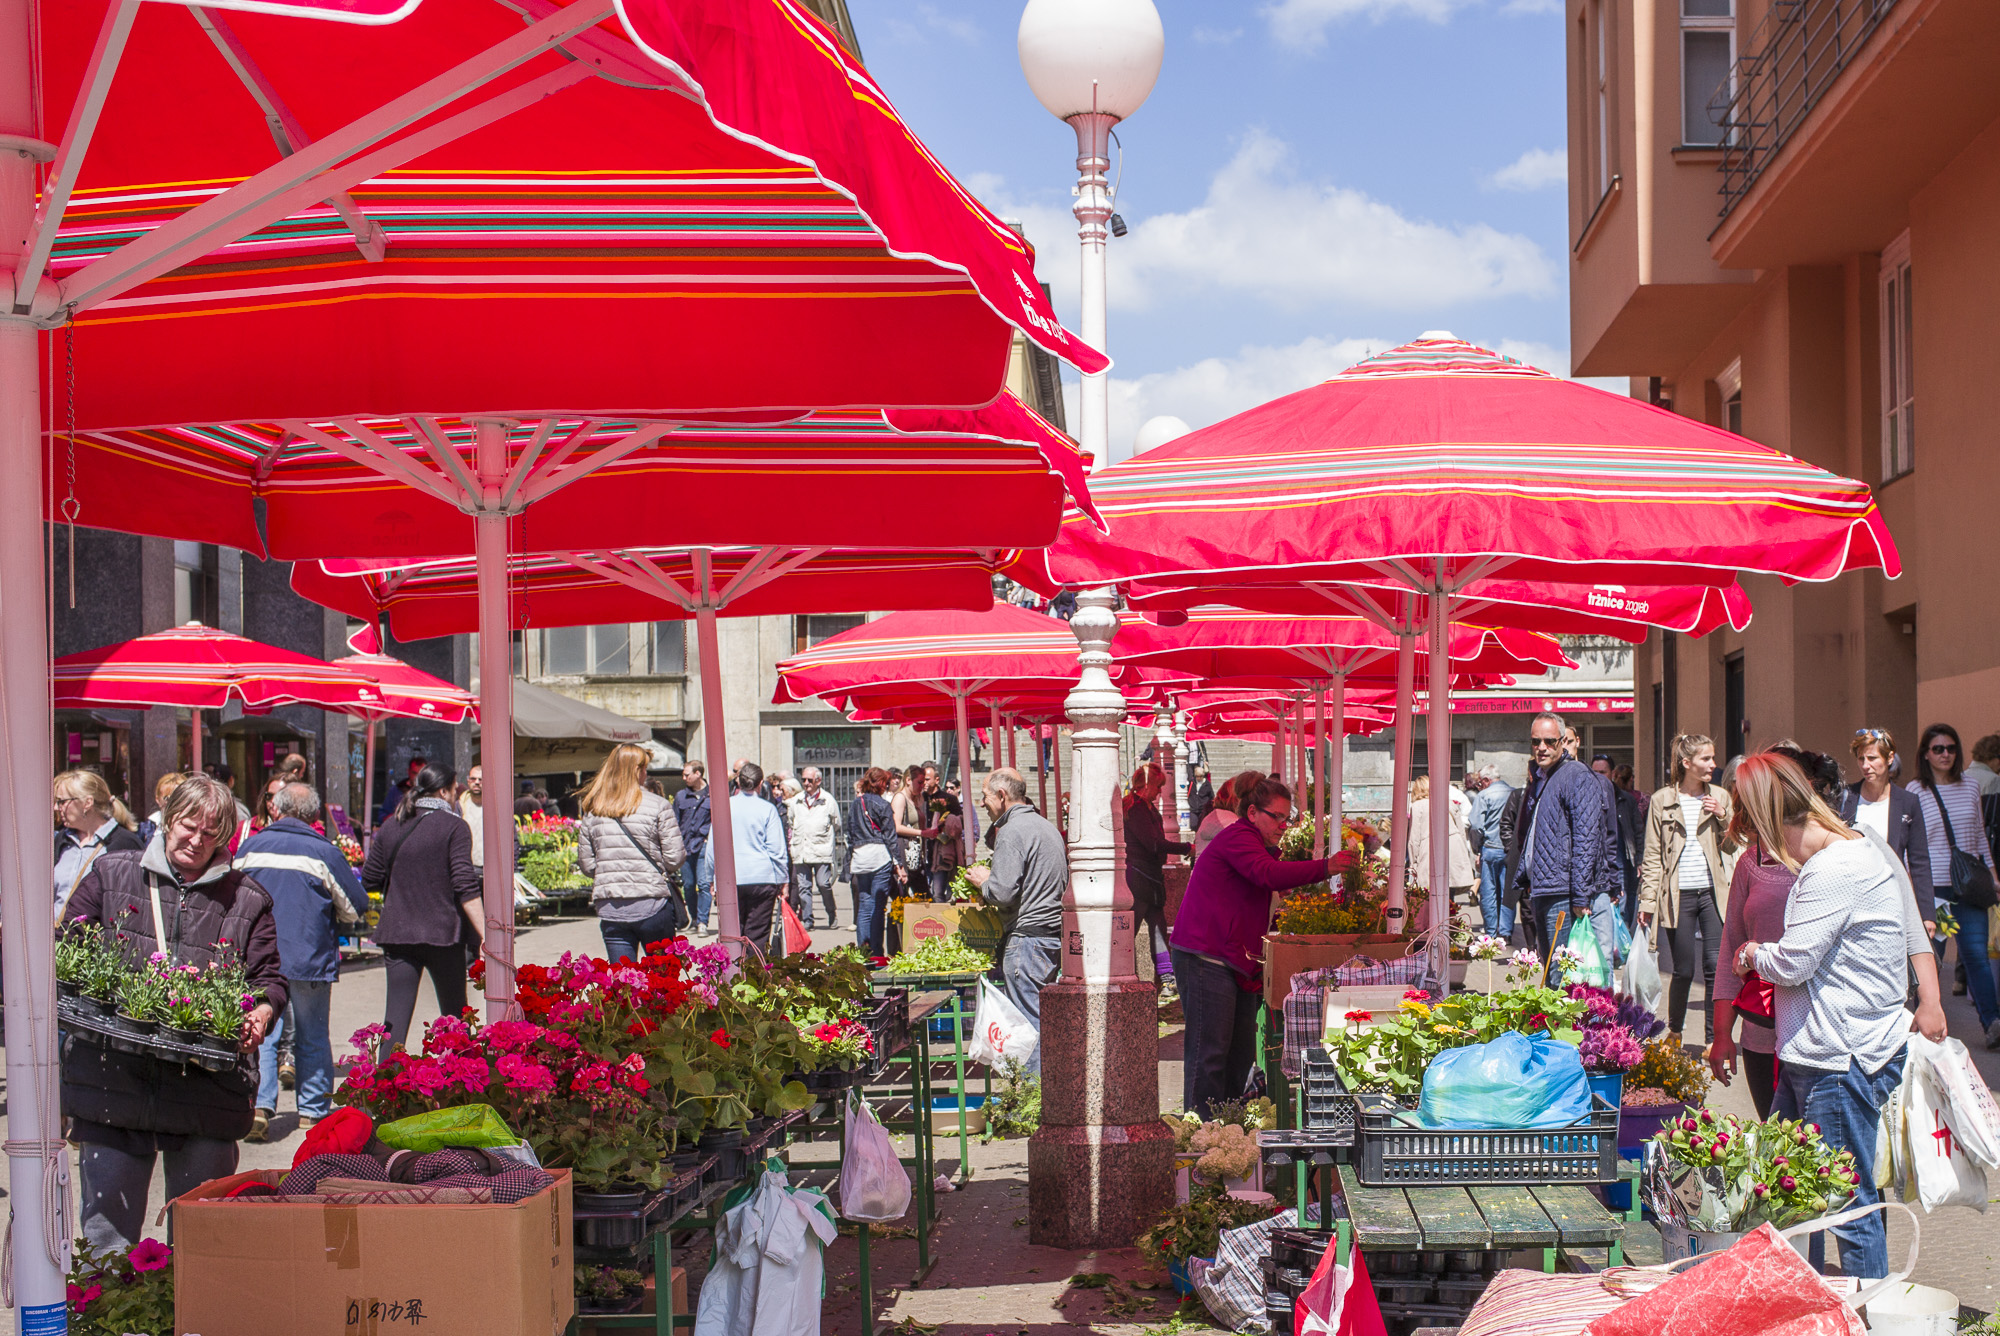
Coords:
pixel 71 507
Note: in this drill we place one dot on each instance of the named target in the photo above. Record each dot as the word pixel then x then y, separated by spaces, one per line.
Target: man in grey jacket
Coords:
pixel 1026 882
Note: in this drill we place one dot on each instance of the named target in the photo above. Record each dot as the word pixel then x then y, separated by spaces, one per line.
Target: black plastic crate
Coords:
pixel 888 1022
pixel 1324 1104
pixel 1391 1153
pixel 1461 1292
pixel 1404 1290
pixel 1299 1249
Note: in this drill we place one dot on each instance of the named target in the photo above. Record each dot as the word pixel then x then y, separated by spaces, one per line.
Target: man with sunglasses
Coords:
pixel 1217 942
pixel 1557 850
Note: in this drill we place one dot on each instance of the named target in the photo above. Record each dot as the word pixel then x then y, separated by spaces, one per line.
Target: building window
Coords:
pixel 809 631
pixel 1420 759
pixel 1708 62
pixel 587 651
pixel 667 648
pixel 1729 387
pixel 1899 382
pixel 190 583
pixel 1600 56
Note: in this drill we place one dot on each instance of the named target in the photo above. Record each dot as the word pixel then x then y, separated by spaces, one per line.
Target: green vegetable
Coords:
pixel 941 955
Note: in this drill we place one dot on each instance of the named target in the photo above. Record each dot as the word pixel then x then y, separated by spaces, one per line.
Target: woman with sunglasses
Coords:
pixel 1952 819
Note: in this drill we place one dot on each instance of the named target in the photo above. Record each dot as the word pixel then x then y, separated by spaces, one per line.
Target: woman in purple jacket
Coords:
pixel 1218 942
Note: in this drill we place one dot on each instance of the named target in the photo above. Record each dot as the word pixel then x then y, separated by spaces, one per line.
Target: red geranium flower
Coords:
pixel 720 1038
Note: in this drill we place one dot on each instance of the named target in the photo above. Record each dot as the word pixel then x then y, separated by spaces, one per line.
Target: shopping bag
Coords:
pixel 874 1186
pixel 999 1031
pixel 1594 967
pixel 1622 934
pixel 459 1125
pixel 1338 1300
pixel 1642 973
pixel 797 941
pixel 1969 1107
pixel 1513 1081
pixel 1945 1174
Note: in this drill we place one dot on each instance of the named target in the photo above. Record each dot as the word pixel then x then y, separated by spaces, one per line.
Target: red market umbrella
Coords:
pixel 205 669
pixel 1438 464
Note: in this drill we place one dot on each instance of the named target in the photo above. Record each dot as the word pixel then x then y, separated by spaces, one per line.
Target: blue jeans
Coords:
pixel 1220 1042
pixel 312 1051
pixel 1494 910
pixel 871 907
pixel 700 894
pixel 1028 965
pixel 115 1183
pixel 1604 918
pixel 628 940
pixel 1972 951
pixel 1848 1107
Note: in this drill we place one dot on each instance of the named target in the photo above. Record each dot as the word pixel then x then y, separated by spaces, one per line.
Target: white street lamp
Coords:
pixel 1092 63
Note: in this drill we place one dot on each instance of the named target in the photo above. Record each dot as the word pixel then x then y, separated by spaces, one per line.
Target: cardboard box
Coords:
pixel 250 1269
pixel 922 922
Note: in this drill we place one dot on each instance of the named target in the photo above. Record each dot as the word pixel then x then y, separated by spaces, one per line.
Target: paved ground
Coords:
pixel 990 1280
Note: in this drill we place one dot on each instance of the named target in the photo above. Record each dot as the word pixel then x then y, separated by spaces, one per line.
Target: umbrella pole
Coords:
pixel 993 735
pixel 1041 773
pixel 37 1159
pixel 367 822
pixel 1319 773
pixel 496 720
pixel 721 830
pixel 194 740
pixel 1058 815
pixel 1336 762
pixel 1438 739
pixel 1277 739
pixel 1182 764
pixel 1399 795
pixel 965 802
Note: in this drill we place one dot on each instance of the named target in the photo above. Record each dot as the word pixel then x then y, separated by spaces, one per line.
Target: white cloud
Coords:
pixel 1218 387
pixel 1216 36
pixel 1263 233
pixel 1536 169
pixel 1303 23
pixel 930 19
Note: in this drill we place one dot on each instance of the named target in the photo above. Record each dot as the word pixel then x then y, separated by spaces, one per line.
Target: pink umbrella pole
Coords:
pixel 721 830
pixel 37 1159
pixel 194 741
pixel 367 822
pixel 965 800
pixel 1319 772
pixel 1399 794
pixel 1336 760
pixel 1438 738
pixel 496 717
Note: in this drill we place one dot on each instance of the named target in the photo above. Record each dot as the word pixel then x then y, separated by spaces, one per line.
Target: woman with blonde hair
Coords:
pixel 1681 877
pixel 90 822
pixel 629 844
pixel 1839 973
pixel 1463 875
pixel 1228 801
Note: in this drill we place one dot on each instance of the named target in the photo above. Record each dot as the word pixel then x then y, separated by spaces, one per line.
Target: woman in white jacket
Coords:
pixel 629 844
pixel 1464 873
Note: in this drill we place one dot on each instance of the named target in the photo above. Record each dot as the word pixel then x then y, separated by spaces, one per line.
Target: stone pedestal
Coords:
pixel 1102 1166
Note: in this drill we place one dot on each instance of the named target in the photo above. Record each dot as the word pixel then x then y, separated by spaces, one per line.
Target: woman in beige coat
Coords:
pixel 1464 873
pixel 1682 881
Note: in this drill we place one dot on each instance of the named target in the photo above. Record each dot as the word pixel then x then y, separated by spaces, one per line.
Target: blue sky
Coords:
pixel 1308 179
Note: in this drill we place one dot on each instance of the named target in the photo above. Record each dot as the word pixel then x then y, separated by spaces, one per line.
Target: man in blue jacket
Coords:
pixel 312 891
pixel 1557 854
pixel 692 811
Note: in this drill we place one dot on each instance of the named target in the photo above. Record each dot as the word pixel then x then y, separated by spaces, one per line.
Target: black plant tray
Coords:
pixel 94 1027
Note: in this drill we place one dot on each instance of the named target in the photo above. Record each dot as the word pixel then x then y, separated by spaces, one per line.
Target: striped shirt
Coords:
pixel 1961 804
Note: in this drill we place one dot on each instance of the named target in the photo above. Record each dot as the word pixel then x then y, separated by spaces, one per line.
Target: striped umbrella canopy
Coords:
pixel 407 693
pixel 1219 643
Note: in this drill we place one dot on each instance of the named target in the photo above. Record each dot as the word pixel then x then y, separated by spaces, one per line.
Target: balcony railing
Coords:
pixel 1795 54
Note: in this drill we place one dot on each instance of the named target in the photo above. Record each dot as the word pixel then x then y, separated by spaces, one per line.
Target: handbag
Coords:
pixel 1971 880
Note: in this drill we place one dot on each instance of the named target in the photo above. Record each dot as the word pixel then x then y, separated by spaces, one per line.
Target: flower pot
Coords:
pixel 68 988
pixel 1178 1270
pixel 103 1006
pixel 137 1026
pixel 220 1044
pixel 1638 1125
pixel 1458 968
pixel 631 1303
pixel 618 1198
pixel 1608 1086
pixel 192 1038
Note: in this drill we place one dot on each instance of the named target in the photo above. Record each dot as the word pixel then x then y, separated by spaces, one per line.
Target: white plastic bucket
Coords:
pixel 1913 1310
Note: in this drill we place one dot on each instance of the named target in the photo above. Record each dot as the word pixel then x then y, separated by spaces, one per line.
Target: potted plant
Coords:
pixel 222 998
pixel 1193 1228
pixel 77 951
pixel 1615 1029
pixel 142 995
pixel 113 1293
pixel 1667 1082
pixel 607 1290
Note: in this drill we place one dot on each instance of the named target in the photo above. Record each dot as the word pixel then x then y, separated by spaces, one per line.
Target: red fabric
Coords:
pixel 203 668
pixel 896 659
pixel 1360 1315
pixel 1624 611
pixel 1441 453
pixel 345 1131
pixel 796 938
pixel 1227 643
pixel 406 692
pixel 1758 1287
pixel 1757 996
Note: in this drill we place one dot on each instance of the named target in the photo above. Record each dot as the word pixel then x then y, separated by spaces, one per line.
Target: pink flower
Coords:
pixel 149 1255
pixel 1690 1125
pixel 524 1076
pixel 80 1298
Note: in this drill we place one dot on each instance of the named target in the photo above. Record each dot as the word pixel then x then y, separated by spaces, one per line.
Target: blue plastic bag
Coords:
pixel 1513 1081
pixel 1624 940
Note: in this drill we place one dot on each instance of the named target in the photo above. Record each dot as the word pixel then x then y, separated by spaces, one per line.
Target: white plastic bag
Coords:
pixel 1945 1174
pixel 1968 1105
pixel 874 1186
pixel 1000 1031
pixel 1642 972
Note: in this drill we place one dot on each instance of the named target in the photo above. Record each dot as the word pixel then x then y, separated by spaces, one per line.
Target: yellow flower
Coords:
pixel 1417 1008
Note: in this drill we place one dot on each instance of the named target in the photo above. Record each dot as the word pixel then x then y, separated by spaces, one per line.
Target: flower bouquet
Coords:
pixel 1710 1173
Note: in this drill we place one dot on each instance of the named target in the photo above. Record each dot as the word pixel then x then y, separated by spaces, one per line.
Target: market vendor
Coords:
pixel 126 1108
pixel 1218 941
pixel 1840 971
pixel 1029 873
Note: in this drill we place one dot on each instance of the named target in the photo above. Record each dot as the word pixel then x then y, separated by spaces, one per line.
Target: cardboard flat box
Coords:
pixel 256 1269
pixel 922 922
